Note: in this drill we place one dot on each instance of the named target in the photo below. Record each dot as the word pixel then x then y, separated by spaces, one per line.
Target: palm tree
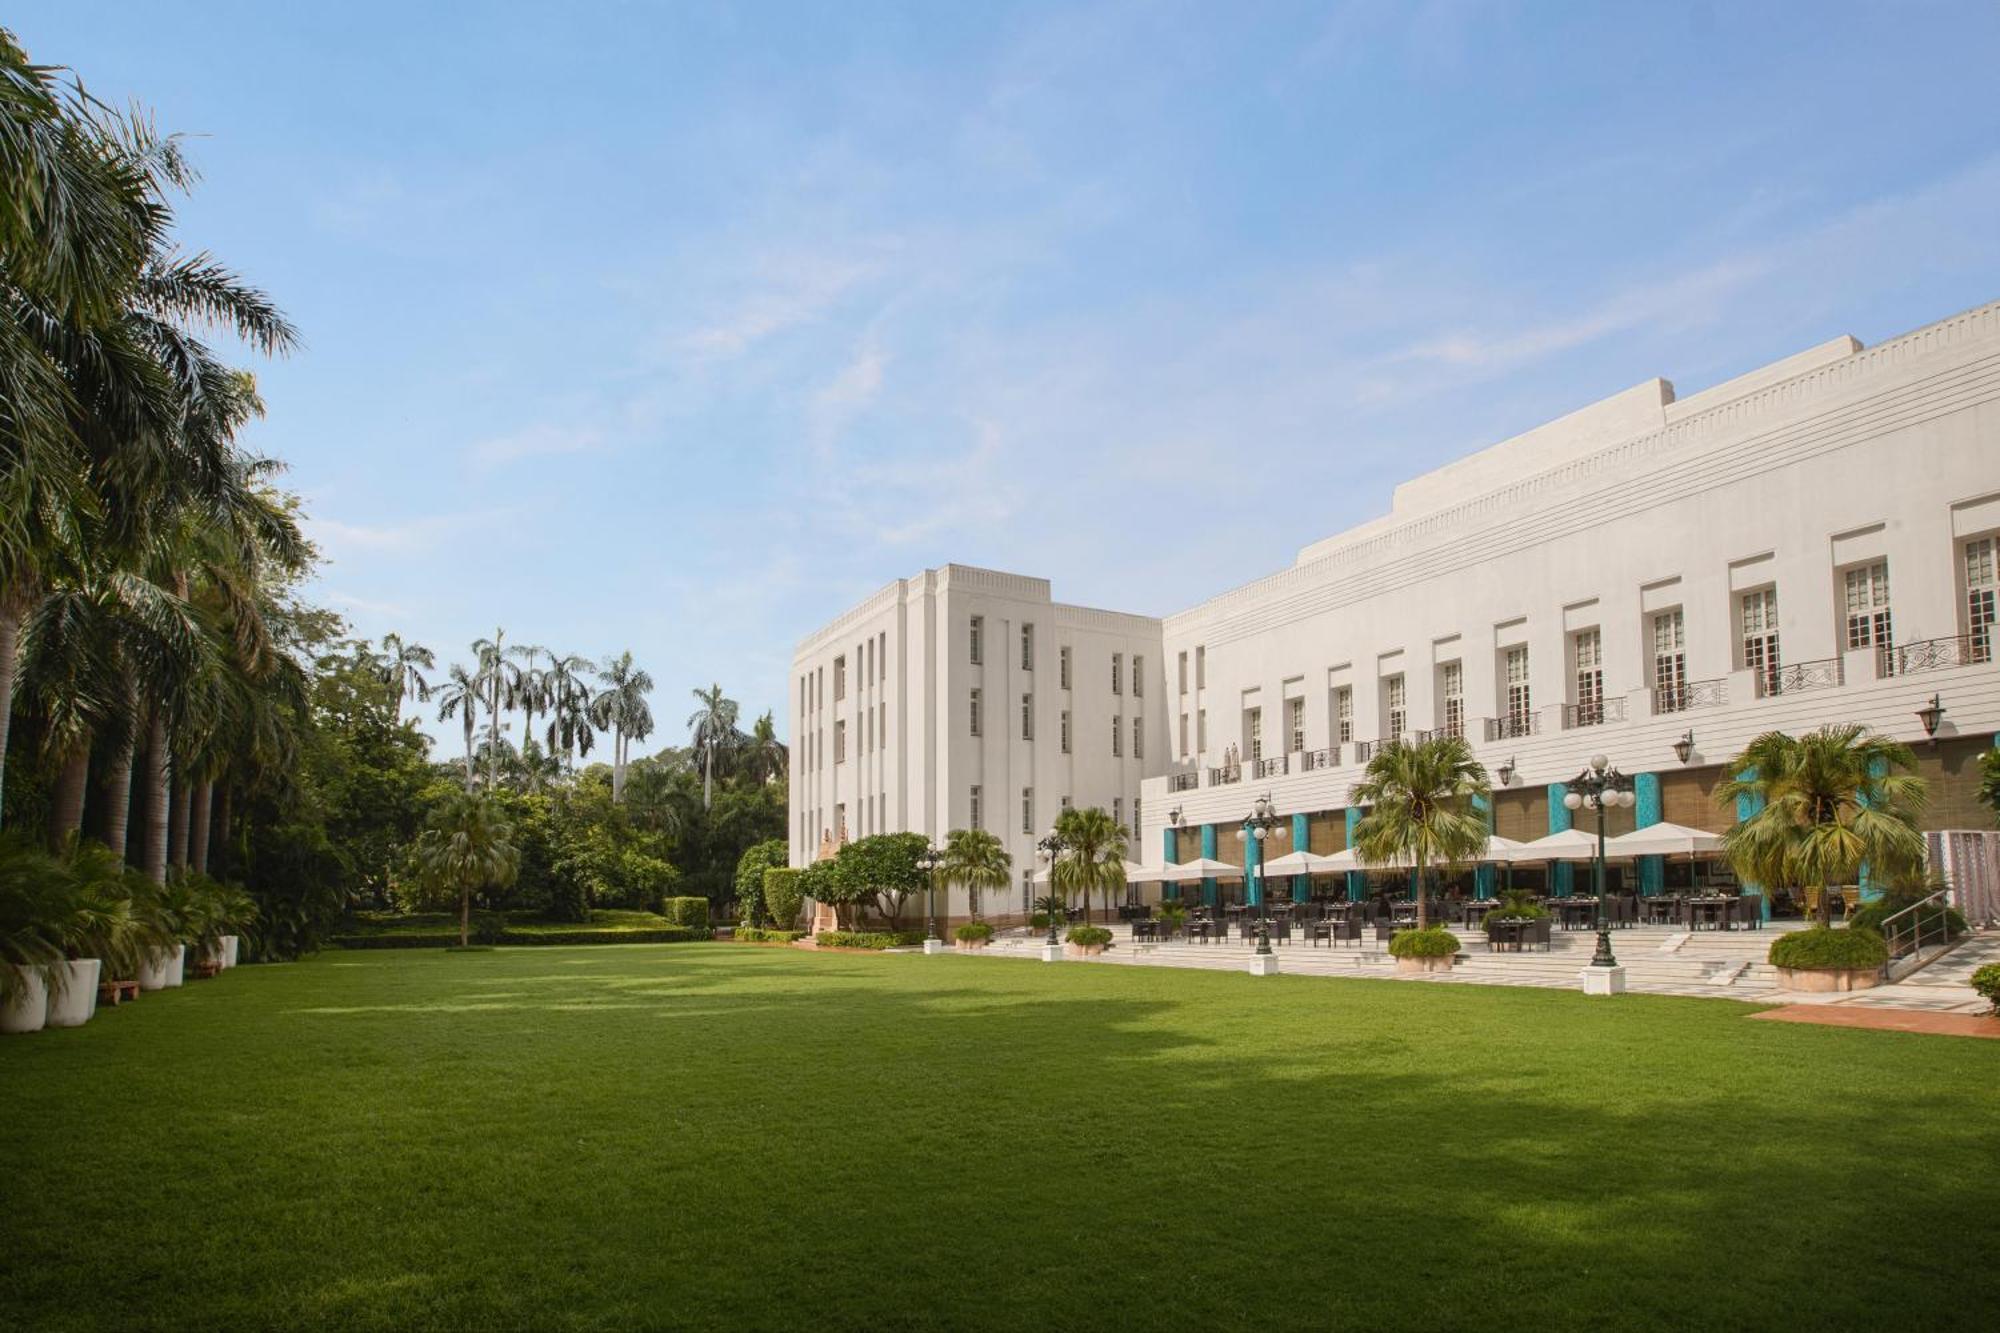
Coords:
pixel 621 709
pixel 402 666
pixel 1831 800
pixel 764 755
pixel 501 681
pixel 1421 801
pixel 713 726
pixel 460 696
pixel 975 860
pixel 468 847
pixel 1092 857
pixel 531 696
pixel 568 703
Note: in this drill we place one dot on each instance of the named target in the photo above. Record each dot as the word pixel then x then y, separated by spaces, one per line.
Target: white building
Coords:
pixel 1816 540
pixel 967 698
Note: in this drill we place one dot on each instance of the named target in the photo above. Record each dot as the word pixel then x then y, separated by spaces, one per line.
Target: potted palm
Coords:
pixel 972 936
pixel 1421 813
pixel 1088 941
pixel 99 933
pixel 165 913
pixel 33 909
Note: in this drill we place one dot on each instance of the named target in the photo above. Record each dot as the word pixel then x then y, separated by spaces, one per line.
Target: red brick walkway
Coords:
pixel 1886 1020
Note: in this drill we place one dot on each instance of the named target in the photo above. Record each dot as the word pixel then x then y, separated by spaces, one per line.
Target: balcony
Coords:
pixel 1222 777
pixel 1593 714
pixel 1514 727
pixel 1906 659
pixel 1275 767
pixel 1183 781
pixel 1317 759
pixel 1823 674
pixel 1690 694
pixel 1439 733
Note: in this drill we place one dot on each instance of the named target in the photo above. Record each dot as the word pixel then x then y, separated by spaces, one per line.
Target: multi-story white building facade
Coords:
pixel 968 698
pixel 1653 575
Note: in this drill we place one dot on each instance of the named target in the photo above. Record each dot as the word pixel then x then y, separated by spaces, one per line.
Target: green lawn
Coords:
pixel 636 1136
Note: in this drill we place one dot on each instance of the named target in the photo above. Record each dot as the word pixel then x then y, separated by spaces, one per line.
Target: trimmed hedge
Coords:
pixel 765 935
pixel 691 912
pixel 527 936
pixel 1434 942
pixel 1086 936
pixel 1987 982
pixel 782 896
pixel 1824 949
pixel 869 939
pixel 974 930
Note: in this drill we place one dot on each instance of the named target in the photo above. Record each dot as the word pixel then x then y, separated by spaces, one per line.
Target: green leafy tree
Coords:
pixel 1092 859
pixel 1831 799
pixel 782 896
pixel 468 847
pixel 976 861
pixel 1421 801
pixel 750 868
pixel 1989 781
pixel 882 869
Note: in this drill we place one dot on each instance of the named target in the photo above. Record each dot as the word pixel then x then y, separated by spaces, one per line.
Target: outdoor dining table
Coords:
pixel 1712 912
pixel 1577 911
pixel 1506 934
pixel 1476 910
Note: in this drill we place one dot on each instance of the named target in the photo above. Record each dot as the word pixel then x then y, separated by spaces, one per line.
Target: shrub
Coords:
pixel 765 935
pixel 783 896
pixel 1039 921
pixel 686 912
pixel 974 930
pixel 1987 982
pixel 757 858
pixel 1823 948
pixel 1087 936
pixel 1870 916
pixel 518 935
pixel 1435 942
pixel 869 939
pixel 1517 906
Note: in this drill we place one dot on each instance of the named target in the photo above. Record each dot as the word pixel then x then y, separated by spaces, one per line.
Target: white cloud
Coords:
pixel 536 441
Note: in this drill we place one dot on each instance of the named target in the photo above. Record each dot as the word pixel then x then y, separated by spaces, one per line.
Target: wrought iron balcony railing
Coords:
pixel 1903 659
pixel 1223 776
pixel 1512 727
pixel 1314 759
pixel 1275 767
pixel 1795 677
pixel 1183 781
pixel 1690 694
pixel 1593 714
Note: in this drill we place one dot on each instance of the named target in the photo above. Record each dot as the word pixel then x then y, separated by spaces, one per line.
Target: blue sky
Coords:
pixel 679 327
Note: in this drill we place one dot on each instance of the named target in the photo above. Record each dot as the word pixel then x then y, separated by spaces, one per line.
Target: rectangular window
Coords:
pixel 882 644
pixel 1295 725
pixel 840 822
pixel 973 813
pixel 1201 731
pixel 1758 615
pixel 1451 689
pixel 839 679
pixel 1065 731
pixel 1180 670
pixel 1201 668
pixel 1027 717
pixel 840 741
pixel 1062 659
pixel 1184 735
pixel 1398 706
pixel 1343 715
pixel 1117 737
pixel 1587 654
pixel 1118 811
pixel 1982 592
pixel 882 727
pixel 1027 647
pixel 1520 707
pixel 1138 738
pixel 1138 677
pixel 975 712
pixel 1253 731
pixel 1027 809
pixel 868 663
pixel 1135 816
pixel 1867 597
pixel 1669 661
pixel 977 640
pixel 1118 673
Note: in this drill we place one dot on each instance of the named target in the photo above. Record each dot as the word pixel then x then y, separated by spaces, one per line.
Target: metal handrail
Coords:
pixel 1933 654
pixel 1906 932
pixel 1224 775
pixel 1793 677
pixel 1593 714
pixel 1513 727
pixel 1275 767
pixel 1327 758
pixel 1183 781
pixel 1690 694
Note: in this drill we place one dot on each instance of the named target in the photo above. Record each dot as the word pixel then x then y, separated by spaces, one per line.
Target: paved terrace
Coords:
pixel 1658 960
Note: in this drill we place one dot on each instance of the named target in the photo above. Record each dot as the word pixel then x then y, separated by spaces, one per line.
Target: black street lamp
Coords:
pixel 1598 787
pixel 1052 847
pixel 1258 825
pixel 928 861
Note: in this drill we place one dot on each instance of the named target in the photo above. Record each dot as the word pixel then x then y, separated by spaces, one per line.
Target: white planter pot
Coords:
pixel 229 946
pixel 162 968
pixel 1419 966
pixel 78 1001
pixel 1822 979
pixel 31 1010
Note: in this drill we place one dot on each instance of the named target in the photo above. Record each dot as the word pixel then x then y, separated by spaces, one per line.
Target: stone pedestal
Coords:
pixel 933 946
pixel 1052 953
pixel 1263 965
pixel 1603 980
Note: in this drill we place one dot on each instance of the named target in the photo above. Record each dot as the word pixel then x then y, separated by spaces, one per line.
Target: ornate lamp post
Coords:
pixel 1258 825
pixel 928 861
pixel 1052 847
pixel 1600 786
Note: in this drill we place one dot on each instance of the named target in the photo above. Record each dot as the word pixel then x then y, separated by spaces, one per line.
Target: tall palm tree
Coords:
pixel 1831 799
pixel 469 846
pixel 621 709
pixel 975 860
pixel 402 667
pixel 531 696
pixel 764 754
pixel 501 680
pixel 1421 801
pixel 1093 855
pixel 567 688
pixel 459 697
pixel 713 726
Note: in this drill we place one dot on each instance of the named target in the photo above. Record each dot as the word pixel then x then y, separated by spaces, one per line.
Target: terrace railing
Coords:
pixel 1823 674
pixel 1275 767
pixel 1593 714
pixel 1224 775
pixel 1904 659
pixel 1922 925
pixel 1183 781
pixel 1316 759
pixel 1690 694
pixel 1513 727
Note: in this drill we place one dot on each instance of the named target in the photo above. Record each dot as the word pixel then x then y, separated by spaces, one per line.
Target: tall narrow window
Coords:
pixel 1201 731
pixel 840 741
pixel 882 653
pixel 1759 617
pixel 1135 816
pixel 1520 708
pixel 1587 652
pixel 975 712
pixel 1451 689
pixel 1027 809
pixel 1138 677
pixel 977 640
pixel 1184 737
pixel 1982 591
pixel 1027 717
pixel 1180 670
pixel 882 726
pixel 1397 707
pixel 1201 668
pixel 1253 731
pixel 1343 715
pixel 1118 811
pixel 1138 738
pixel 839 679
pixel 1118 673
pixel 1065 731
pixel 1062 661
pixel 1027 647
pixel 1669 662
pixel 973 818
pixel 840 822
pixel 1117 737
pixel 1295 725
pixel 1868 606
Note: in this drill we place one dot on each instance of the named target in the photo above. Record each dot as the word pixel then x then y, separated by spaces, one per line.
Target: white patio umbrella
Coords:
pixel 1202 867
pixel 1572 844
pixel 1138 874
pixel 1664 840
pixel 1302 863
